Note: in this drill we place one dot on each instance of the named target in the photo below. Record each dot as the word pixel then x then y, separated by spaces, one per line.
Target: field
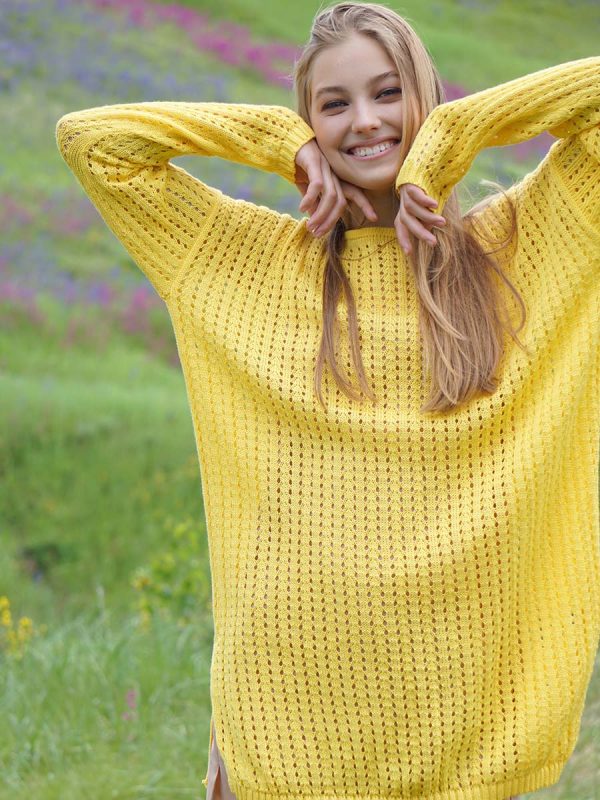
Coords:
pixel 106 630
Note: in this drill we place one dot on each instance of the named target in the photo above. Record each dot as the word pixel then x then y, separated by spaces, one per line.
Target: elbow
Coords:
pixel 66 134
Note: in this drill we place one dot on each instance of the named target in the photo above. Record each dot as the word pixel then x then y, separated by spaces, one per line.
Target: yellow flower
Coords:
pixel 16 636
pixel 25 629
pixel 140 582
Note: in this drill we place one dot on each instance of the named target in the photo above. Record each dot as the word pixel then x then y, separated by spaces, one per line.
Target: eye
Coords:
pixel 392 90
pixel 335 103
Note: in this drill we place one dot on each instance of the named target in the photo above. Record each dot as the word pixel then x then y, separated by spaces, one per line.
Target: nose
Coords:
pixel 365 118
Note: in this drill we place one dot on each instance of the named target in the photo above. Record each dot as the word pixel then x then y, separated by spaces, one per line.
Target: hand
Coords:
pixel 326 197
pixel 414 216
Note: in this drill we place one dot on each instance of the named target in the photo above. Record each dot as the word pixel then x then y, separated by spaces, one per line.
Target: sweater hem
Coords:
pixel 541 778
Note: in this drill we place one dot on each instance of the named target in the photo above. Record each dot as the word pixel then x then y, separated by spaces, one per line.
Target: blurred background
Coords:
pixel 105 595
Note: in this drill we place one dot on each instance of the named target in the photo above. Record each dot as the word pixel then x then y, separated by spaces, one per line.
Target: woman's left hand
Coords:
pixel 416 217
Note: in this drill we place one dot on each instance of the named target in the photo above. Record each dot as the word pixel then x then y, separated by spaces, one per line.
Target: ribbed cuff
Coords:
pixel 416 176
pixel 299 133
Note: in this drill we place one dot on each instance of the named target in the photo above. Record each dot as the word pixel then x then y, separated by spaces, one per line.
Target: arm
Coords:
pixel 564 100
pixel 120 155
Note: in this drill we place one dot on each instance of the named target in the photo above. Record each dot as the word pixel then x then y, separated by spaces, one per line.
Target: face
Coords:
pixel 364 109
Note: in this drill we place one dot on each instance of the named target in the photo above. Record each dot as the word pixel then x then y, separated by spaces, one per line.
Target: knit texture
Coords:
pixel 406 605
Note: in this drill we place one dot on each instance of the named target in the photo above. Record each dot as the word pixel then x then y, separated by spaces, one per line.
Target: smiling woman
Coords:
pixel 358 121
pixel 365 84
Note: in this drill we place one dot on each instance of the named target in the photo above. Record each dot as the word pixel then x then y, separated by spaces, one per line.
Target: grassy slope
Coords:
pixel 473 43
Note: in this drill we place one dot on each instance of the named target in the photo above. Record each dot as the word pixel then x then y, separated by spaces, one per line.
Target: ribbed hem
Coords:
pixel 544 777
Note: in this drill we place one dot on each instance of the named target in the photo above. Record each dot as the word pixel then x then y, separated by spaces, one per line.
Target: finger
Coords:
pixel 402 234
pixel 414 226
pixel 355 195
pixel 320 228
pixel 414 209
pixel 310 203
pixel 420 196
pixel 303 188
pixel 308 206
pixel 334 215
pixel 327 200
pixel 315 186
pixel 421 232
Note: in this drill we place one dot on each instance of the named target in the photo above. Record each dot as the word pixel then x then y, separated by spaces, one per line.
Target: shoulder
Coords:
pixel 243 218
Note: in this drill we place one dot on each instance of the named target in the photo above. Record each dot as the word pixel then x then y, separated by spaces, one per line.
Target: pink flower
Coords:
pixel 131 699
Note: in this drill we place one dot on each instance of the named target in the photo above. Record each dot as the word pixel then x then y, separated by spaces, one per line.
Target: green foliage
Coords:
pixel 176 582
pixel 15 636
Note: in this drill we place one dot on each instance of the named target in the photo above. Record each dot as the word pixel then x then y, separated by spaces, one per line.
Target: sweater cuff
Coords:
pixel 410 173
pixel 299 133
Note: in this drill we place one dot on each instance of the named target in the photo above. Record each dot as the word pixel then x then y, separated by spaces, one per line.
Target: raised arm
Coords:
pixel 120 155
pixel 564 100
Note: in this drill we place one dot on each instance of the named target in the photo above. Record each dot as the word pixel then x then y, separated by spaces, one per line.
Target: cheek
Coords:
pixel 328 136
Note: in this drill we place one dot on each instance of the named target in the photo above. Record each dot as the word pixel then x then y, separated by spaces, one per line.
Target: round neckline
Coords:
pixel 375 240
pixel 371 232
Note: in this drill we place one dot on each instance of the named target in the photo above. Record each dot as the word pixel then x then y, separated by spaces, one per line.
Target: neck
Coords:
pixel 386 205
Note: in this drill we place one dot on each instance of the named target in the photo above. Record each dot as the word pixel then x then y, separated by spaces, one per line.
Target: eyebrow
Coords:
pixel 326 89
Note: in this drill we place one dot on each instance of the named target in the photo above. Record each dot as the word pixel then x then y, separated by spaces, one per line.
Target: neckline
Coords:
pixel 373 233
pixel 360 243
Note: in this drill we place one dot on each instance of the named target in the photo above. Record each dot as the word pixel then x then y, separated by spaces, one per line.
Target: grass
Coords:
pixel 96 701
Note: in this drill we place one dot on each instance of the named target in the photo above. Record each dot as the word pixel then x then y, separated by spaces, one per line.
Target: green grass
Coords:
pixel 98 452
pixel 72 732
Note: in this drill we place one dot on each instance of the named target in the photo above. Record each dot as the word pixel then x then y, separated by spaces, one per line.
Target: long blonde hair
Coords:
pixel 461 328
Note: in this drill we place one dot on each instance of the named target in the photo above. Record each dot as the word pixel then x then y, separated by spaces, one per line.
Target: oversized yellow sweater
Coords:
pixel 406 605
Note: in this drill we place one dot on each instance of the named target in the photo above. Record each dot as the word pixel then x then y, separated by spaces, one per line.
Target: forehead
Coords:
pixel 351 63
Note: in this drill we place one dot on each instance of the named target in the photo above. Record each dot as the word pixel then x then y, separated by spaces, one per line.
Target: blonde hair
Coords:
pixel 461 328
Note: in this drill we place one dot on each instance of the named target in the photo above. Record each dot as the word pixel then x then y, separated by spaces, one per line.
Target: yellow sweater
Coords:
pixel 406 605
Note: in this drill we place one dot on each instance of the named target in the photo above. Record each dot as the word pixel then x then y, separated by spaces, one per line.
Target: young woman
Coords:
pixel 406 589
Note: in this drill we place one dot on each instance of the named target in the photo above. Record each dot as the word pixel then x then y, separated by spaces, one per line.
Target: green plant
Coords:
pixel 15 636
pixel 176 582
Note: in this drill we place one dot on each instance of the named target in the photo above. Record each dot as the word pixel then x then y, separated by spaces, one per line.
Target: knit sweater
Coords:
pixel 405 604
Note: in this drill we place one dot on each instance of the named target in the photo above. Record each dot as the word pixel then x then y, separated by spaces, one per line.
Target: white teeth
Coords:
pixel 370 151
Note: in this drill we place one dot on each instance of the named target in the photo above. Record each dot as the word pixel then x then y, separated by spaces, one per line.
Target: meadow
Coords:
pixel 105 596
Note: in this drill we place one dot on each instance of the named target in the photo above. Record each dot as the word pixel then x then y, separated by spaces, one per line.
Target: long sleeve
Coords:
pixel 563 100
pixel 120 155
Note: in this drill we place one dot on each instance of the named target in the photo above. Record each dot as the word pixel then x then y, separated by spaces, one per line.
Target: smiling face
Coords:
pixel 365 108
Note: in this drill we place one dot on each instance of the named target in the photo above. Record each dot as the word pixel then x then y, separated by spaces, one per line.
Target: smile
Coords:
pixel 369 153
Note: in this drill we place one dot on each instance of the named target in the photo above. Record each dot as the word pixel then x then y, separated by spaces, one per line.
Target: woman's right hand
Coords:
pixel 326 197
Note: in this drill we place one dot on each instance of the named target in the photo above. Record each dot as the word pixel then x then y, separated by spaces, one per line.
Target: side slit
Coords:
pixel 209 780
pixel 222 790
